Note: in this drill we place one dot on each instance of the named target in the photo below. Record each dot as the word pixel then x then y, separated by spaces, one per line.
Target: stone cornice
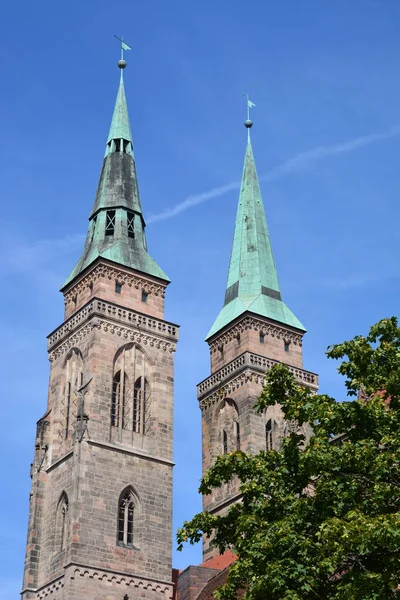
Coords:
pixel 248 367
pixel 59 461
pixel 107 316
pixel 132 452
pixel 257 324
pixel 46 590
pixel 121 578
pixel 102 270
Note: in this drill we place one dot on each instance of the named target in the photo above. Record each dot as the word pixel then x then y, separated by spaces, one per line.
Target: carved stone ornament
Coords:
pixel 126 333
pixel 247 376
pixel 124 580
pixel 257 325
pixel 108 310
pixel 106 271
pixel 51 589
pixel 251 360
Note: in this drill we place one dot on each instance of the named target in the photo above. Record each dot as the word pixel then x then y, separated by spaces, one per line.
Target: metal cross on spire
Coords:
pixel 124 46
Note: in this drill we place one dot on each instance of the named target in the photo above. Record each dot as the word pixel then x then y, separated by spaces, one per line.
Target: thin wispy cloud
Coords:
pixel 44 260
pixel 298 163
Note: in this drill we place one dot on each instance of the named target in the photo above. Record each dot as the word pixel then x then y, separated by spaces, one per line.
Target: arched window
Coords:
pixel 118 404
pixel 73 381
pixel 131 392
pixel 126 518
pixel 62 522
pixel 237 434
pixel 269 435
pixel 229 429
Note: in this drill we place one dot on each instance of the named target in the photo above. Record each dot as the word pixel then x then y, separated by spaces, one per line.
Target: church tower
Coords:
pixel 254 330
pixel 100 523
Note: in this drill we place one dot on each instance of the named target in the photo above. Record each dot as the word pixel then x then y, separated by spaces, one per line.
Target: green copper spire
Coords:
pixel 120 126
pixel 252 284
pixel 116 224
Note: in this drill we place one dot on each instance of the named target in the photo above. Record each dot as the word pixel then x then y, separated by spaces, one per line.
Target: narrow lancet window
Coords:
pixel 62 522
pixel 237 434
pixel 73 381
pixel 126 518
pixel 67 408
pixel 139 405
pixel 118 403
pixel 110 222
pixel 269 435
pixel 225 441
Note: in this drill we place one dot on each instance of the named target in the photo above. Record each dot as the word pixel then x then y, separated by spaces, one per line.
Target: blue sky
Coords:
pixel 325 79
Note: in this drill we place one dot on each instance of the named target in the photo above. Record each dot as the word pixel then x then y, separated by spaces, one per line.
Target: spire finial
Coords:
pixel 248 123
pixel 124 48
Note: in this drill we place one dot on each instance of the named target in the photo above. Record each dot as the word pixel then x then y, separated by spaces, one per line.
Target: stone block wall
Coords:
pixel 192 580
pixel 139 292
pixel 259 336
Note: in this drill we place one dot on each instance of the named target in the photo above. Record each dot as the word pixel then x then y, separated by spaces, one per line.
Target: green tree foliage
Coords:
pixel 320 521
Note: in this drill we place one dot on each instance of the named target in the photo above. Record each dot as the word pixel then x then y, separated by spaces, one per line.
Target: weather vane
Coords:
pixel 124 47
pixel 248 123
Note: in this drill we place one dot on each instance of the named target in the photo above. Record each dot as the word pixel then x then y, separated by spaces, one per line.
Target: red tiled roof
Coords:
pixel 220 562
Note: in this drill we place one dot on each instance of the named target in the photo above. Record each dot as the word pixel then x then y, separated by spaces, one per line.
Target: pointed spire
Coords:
pixel 252 284
pixel 116 224
pixel 120 126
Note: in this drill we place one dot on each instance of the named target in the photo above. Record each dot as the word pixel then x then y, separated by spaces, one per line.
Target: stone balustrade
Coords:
pixel 248 360
pixel 114 313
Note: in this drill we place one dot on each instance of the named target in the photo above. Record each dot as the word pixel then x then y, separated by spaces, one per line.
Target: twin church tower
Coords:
pixel 100 516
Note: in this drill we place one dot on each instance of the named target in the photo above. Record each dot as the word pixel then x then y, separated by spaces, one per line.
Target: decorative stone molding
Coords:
pixel 137 319
pixel 107 271
pixel 51 589
pixel 72 323
pixel 255 363
pixel 115 313
pixel 310 379
pixel 72 341
pixel 126 333
pixel 223 391
pixel 123 580
pixel 259 325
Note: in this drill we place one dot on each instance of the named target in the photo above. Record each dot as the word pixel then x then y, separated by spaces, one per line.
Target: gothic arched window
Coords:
pixel 62 522
pixel 229 428
pixel 126 518
pixel 269 435
pixel 130 392
pixel 73 381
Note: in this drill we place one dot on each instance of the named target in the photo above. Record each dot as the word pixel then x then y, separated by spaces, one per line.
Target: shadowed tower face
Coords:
pixel 100 522
pixel 254 330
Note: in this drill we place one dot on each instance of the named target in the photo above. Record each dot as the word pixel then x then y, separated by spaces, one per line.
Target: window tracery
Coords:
pixel 127 518
pixel 130 403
